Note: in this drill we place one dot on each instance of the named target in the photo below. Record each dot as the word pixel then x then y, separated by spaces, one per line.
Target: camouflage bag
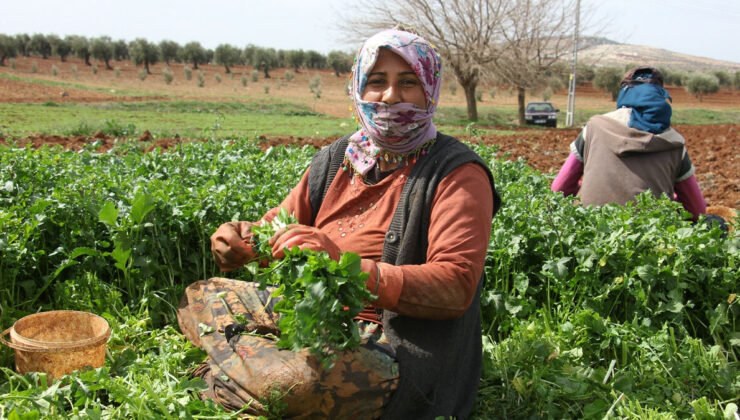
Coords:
pixel 233 322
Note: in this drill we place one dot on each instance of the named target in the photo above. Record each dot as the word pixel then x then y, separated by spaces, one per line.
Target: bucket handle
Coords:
pixel 21 347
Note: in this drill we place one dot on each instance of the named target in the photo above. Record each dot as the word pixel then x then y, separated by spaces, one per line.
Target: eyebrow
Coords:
pixel 383 73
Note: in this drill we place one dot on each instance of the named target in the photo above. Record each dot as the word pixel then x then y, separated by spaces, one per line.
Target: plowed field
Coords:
pixel 714 149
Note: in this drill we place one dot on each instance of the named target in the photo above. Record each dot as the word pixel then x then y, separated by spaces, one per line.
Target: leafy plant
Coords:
pixel 315 86
pixel 167 75
pixel 319 297
pixel 700 85
pixel 617 311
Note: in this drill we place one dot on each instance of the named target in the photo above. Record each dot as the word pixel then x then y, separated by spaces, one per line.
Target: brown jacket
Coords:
pixel 621 162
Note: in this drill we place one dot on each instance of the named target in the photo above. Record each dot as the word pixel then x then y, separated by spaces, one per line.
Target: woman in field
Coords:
pixel 416 205
pixel 623 153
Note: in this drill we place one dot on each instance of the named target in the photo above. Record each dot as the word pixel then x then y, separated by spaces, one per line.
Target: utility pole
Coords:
pixel 572 80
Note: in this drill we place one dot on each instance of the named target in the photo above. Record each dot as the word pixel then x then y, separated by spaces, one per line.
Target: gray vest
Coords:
pixel 439 360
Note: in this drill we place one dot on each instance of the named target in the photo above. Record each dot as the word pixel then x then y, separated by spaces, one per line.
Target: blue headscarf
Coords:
pixel 650 111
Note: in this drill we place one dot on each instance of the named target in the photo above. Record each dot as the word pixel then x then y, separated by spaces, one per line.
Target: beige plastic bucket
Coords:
pixel 58 342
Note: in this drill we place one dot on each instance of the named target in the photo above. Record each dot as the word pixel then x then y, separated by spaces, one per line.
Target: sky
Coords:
pixel 704 28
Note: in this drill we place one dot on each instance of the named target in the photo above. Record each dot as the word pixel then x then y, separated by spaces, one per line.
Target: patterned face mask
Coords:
pixel 398 129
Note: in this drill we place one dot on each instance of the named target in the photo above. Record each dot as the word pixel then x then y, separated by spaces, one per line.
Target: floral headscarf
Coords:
pixel 401 128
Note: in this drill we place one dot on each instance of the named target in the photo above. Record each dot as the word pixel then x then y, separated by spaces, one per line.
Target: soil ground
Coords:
pixel 714 149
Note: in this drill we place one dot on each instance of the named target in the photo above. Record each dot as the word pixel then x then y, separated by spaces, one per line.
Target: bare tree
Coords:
pixel 462 31
pixel 536 35
pixel 516 42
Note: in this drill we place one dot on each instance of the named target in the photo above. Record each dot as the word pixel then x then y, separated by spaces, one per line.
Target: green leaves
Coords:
pixel 569 289
pixel 319 297
pixel 143 203
pixel 108 214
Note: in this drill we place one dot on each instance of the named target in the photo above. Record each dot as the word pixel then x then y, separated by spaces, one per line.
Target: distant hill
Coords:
pixel 601 52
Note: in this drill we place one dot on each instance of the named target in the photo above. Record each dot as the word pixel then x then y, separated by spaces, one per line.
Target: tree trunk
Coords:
pixel 107 64
pixel 520 96
pixel 267 75
pixel 146 65
pixel 469 88
pixel 227 69
pixel 87 60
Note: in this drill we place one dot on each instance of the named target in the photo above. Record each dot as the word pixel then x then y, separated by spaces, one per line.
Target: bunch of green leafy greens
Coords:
pixel 319 296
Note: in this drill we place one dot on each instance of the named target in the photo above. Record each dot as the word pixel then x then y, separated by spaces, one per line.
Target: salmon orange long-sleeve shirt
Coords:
pixel 356 217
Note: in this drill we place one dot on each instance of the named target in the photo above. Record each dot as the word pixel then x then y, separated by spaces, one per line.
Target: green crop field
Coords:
pixel 597 313
pixel 615 312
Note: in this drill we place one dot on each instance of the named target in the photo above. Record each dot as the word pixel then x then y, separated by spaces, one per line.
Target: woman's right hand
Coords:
pixel 231 245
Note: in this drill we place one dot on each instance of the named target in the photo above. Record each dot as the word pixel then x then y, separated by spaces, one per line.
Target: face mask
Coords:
pixel 400 129
pixel 396 127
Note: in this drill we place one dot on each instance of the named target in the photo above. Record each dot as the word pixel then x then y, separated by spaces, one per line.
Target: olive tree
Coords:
pixel 120 50
pixel 194 53
pixel 585 73
pixel 340 62
pixel 81 47
pixel 143 52
pixel 102 49
pixel 723 77
pixel 702 84
pixel 264 59
pixel 315 60
pixel 672 77
pixel 59 47
pixel 21 43
pixel 7 48
pixel 40 45
pixel 295 59
pixel 736 80
pixel 227 55
pixel 169 51
pixel 609 79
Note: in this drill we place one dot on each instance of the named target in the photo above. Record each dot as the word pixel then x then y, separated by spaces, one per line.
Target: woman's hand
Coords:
pixel 305 237
pixel 231 245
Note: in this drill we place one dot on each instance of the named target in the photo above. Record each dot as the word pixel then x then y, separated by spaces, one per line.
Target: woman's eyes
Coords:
pixel 407 83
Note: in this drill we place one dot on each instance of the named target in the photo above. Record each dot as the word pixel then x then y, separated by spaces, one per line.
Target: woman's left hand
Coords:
pixel 305 237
